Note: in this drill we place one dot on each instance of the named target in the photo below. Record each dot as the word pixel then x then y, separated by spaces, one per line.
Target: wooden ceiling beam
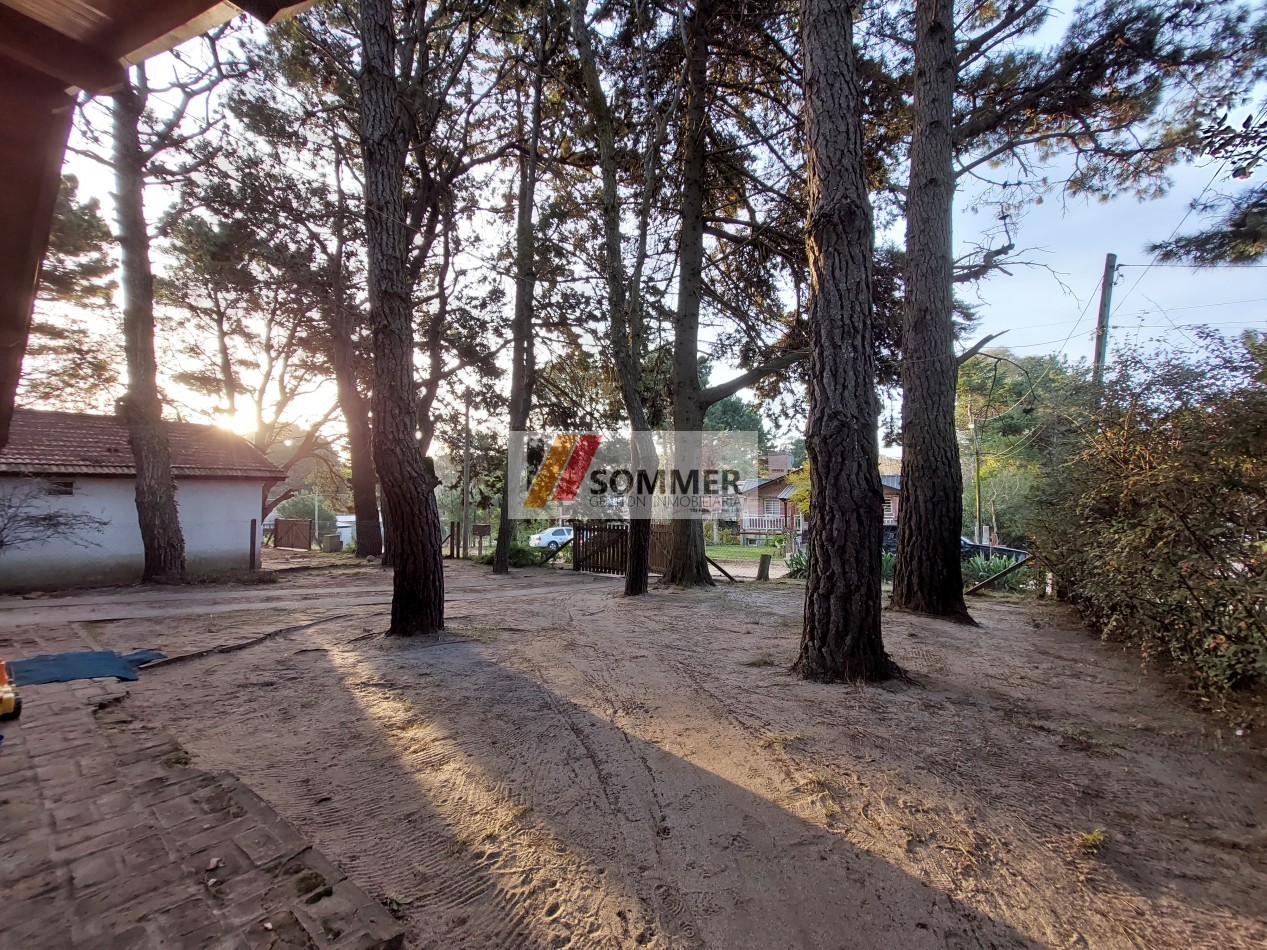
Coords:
pixel 69 61
pixel 271 11
pixel 37 111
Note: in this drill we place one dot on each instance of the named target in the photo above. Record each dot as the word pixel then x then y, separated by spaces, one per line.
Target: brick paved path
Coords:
pixel 108 838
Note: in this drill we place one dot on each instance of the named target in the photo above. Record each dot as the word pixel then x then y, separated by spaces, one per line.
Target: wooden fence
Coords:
pixel 292 533
pixel 602 547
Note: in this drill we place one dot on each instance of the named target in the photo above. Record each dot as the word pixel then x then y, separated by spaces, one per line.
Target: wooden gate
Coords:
pixel 602 547
pixel 661 545
pixel 292 533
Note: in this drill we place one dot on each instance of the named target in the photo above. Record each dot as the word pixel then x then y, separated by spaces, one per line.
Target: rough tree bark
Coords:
pixel 622 293
pixel 929 578
pixel 523 367
pixel 343 320
pixel 142 409
pixel 353 405
pixel 688 563
pixel 408 482
pixel 841 638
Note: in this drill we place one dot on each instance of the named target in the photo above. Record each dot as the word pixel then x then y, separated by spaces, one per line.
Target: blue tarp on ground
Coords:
pixel 64 667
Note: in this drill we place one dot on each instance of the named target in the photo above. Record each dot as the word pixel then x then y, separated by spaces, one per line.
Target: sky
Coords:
pixel 1039 308
pixel 1052 308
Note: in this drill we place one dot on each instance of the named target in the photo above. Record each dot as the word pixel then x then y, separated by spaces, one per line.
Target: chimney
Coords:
pixel 779 463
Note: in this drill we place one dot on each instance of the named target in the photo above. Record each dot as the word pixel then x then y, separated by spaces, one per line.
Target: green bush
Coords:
pixel 979 568
pixel 797 565
pixel 1153 513
pixel 888 564
pixel 520 555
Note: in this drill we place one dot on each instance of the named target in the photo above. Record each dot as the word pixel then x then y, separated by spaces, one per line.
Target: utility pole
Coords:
pixel 976 474
pixel 1102 328
pixel 466 480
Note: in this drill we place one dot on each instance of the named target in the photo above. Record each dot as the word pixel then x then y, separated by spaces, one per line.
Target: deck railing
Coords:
pixel 771 523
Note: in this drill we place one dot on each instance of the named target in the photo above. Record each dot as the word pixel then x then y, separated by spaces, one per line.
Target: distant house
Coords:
pixel 765 508
pixel 82 465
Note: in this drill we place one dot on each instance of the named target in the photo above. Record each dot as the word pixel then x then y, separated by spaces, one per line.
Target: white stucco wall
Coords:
pixel 214 515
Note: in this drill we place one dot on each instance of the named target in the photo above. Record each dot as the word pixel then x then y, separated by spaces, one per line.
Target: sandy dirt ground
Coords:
pixel 568 768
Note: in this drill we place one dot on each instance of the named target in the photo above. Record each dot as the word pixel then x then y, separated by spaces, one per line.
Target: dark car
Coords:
pixel 967 548
pixel 890 538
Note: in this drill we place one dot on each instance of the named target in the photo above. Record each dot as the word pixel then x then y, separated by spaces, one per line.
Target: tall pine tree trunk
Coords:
pixel 688 564
pixel 343 320
pixel 523 369
pixel 353 405
pixel 841 638
pixel 929 578
pixel 408 482
pixel 625 322
pixel 142 409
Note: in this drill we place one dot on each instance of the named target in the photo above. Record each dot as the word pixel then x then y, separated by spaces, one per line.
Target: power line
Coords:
pixel 1198 266
pixel 1175 326
pixel 1192 206
pixel 1056 357
pixel 1187 214
pixel 1205 306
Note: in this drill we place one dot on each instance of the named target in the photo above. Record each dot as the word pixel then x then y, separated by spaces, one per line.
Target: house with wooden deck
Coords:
pixel 766 510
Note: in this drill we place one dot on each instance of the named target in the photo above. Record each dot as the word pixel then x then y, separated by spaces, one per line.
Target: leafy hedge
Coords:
pixel 519 555
pixel 979 567
pixel 1154 514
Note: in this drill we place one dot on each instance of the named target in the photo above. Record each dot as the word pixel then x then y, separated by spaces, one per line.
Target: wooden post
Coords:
pixel 254 558
pixel 1102 328
pixel 763 568
pixel 464 545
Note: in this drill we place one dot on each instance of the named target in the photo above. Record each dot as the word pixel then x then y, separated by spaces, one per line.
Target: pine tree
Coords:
pixel 841 639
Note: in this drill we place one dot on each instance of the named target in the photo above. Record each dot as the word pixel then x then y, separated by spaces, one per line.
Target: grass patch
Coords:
pixel 779 741
pixel 1091 843
pixel 738 552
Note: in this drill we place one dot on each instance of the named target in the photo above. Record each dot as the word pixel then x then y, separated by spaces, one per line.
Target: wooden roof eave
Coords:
pixel 49 50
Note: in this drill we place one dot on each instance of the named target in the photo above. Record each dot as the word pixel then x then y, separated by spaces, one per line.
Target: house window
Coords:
pixel 770 507
pixel 61 487
pixel 889 516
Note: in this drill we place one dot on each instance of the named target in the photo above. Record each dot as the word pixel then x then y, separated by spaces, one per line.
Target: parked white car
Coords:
pixel 552 538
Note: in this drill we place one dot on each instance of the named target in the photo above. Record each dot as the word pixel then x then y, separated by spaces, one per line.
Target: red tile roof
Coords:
pixel 72 443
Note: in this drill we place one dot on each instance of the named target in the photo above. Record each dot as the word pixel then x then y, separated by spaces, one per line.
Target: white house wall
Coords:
pixel 215 517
